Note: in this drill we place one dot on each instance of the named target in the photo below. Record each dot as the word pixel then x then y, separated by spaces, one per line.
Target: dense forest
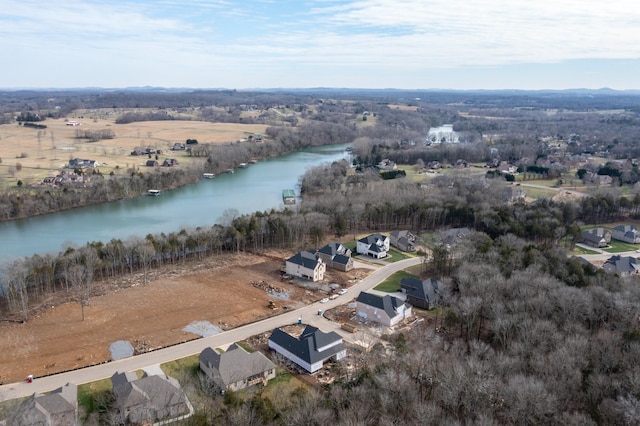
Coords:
pixel 527 335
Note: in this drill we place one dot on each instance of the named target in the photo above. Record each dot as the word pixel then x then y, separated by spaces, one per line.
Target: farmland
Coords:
pixel 29 154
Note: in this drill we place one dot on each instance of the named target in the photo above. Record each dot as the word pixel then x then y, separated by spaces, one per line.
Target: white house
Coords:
pixel 385 310
pixel 626 233
pixel 375 245
pixel 311 349
pixel 306 264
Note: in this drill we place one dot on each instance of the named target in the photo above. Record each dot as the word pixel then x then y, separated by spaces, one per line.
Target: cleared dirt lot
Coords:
pixel 219 290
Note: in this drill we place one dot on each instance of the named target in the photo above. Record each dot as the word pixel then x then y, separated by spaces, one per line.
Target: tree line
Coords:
pixel 518 341
pixel 525 334
pixel 338 206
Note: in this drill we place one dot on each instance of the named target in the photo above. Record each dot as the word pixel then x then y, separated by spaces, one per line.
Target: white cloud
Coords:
pixel 176 40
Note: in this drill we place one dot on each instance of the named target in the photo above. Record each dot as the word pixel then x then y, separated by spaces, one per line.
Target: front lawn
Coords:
pixel 392 284
pixel 394 255
pixel 190 364
pixel 616 246
pixel 577 251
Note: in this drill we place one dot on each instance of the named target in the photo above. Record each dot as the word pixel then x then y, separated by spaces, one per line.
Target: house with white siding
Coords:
pixel 374 245
pixel 306 264
pixel 311 350
pixel 385 310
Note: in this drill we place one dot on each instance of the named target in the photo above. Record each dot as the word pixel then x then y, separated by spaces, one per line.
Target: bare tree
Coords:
pixel 17 291
pixel 80 275
pixel 146 253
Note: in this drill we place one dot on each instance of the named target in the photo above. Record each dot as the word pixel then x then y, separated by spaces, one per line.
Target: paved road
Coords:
pixel 560 189
pixel 603 255
pixel 308 314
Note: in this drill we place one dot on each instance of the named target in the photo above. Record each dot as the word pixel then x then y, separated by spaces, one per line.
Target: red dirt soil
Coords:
pixel 218 290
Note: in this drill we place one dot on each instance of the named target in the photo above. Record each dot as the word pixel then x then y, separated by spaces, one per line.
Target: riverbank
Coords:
pixel 252 189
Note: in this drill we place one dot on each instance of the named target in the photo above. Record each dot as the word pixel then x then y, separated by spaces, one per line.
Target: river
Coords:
pixel 255 188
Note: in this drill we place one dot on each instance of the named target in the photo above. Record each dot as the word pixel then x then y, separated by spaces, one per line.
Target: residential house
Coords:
pixel 375 245
pixel 505 167
pixel 170 162
pixel 77 163
pixel 422 294
pixel 236 368
pixel 626 233
pixel 622 265
pixel 403 240
pixel 49 181
pixel 178 147
pixel 148 399
pixel 146 151
pixel 306 264
pixel 337 256
pixel 58 408
pixel 387 164
pixel 454 236
pixel 151 163
pixel 311 350
pixel 386 310
pixel 596 237
pixel 602 180
pixel 461 164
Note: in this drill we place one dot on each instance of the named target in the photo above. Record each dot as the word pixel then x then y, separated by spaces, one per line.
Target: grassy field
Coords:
pixel 392 284
pixel 178 367
pixel 394 255
pixel 577 251
pixel 538 192
pixel 616 246
pixel 30 154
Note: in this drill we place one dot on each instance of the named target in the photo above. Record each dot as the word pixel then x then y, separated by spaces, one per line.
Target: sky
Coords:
pixel 253 44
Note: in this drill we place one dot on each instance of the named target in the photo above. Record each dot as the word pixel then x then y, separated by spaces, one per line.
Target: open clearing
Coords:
pixel 219 290
pixel 44 152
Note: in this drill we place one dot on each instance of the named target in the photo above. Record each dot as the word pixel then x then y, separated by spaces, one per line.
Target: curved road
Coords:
pixel 98 372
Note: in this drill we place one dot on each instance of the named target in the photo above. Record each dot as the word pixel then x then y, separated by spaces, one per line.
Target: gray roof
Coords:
pixel 405 233
pixel 387 303
pixel 157 391
pixel 624 228
pixel 236 363
pixel 423 290
pixel 373 239
pixel 592 236
pixel 333 249
pixel 341 259
pixel 38 408
pixel 453 235
pixel 307 259
pixel 624 265
pixel 306 346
